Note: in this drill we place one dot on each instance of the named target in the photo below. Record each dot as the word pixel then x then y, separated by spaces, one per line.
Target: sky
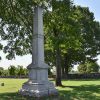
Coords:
pixel 26 60
pixel 94 6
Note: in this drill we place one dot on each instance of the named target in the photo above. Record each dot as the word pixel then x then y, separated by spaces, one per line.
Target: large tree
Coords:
pixel 90 32
pixel 61 32
pixel 16 25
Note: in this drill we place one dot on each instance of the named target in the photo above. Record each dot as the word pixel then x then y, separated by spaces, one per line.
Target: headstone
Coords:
pixel 38 84
pixel 2 84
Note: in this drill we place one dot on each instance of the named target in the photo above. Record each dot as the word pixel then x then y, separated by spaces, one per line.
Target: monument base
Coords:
pixel 38 89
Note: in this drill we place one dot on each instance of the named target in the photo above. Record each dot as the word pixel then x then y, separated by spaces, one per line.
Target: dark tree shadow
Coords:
pixel 83 92
pixel 16 96
pixel 11 96
pixel 81 79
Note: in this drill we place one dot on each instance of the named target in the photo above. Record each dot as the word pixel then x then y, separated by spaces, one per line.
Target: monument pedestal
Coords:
pixel 38 84
pixel 38 89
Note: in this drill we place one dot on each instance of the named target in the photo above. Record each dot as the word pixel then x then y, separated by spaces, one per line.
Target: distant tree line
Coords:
pixel 88 67
pixel 14 71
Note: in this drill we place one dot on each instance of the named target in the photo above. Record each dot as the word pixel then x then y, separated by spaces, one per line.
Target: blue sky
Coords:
pixel 26 60
pixel 94 6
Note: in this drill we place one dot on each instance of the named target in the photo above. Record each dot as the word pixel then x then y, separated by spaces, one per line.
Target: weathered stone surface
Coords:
pixel 38 89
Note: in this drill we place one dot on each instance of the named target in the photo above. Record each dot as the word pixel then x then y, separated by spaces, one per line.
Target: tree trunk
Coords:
pixel 58 68
pixel 63 71
pixel 66 65
pixel 66 69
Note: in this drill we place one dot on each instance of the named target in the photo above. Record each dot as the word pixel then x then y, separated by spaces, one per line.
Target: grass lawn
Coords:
pixel 72 90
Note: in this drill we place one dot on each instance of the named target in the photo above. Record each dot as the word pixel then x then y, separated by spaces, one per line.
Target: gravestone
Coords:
pixel 2 84
pixel 38 84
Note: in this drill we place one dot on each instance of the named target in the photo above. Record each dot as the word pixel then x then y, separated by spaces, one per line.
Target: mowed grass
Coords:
pixel 72 90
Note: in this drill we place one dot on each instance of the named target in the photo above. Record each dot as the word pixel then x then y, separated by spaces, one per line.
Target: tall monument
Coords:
pixel 38 84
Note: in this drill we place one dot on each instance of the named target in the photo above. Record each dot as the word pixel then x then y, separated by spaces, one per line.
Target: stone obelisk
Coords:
pixel 38 84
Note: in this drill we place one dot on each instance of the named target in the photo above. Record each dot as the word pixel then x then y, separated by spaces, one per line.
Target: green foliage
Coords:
pixel 82 68
pixel 1 68
pixel 1 71
pixel 12 70
pixel 92 67
pixel 60 27
pixel 16 22
pixel 16 26
pixel 61 32
pixel 21 70
pixel 90 41
pixel 89 67
pixel 5 73
pixel 1 46
pixel 65 24
pixel 74 30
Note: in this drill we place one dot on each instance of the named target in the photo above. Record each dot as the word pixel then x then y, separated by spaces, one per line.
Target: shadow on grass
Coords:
pixel 81 79
pixel 16 96
pixel 11 96
pixel 83 92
